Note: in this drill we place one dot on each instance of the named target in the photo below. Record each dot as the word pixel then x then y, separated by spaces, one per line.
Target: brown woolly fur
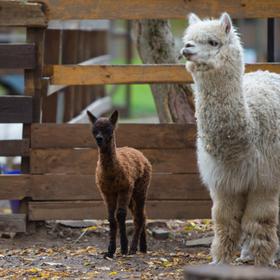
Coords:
pixel 122 176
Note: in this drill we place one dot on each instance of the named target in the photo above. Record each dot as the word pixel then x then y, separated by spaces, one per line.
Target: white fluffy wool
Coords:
pixel 238 122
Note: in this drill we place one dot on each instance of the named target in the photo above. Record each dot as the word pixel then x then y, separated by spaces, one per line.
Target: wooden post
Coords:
pixel 69 56
pixel 33 87
pixel 224 272
pixel 52 56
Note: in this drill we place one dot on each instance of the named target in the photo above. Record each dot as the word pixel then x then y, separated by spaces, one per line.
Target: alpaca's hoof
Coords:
pixel 272 264
pixel 143 250
pixel 108 256
pixel 246 259
pixel 132 251
pixel 124 251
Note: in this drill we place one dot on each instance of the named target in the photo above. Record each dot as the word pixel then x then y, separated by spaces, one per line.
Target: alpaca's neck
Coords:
pixel 221 111
pixel 108 156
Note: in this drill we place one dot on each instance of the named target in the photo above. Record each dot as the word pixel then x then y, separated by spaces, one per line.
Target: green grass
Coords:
pixel 142 102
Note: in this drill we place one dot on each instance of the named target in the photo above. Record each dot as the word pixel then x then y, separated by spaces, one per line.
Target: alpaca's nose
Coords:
pixel 189 45
pixel 99 139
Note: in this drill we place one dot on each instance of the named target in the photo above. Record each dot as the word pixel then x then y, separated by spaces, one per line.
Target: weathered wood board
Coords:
pixel 21 13
pixel 75 210
pixel 14 147
pixel 20 56
pixel 161 9
pixel 83 161
pixel 131 74
pixel 82 187
pixel 15 109
pixel 156 136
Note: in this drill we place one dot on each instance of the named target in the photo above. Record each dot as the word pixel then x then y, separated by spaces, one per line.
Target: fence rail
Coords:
pixel 10 148
pixel 15 109
pixel 57 187
pixel 131 74
pixel 77 210
pixel 17 56
pixel 152 136
pixel 160 9
pixel 22 13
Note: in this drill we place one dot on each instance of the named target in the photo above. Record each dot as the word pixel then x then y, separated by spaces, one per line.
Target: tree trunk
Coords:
pixel 155 44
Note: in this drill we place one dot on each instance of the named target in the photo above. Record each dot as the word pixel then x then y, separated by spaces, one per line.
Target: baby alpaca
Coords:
pixel 238 142
pixel 122 176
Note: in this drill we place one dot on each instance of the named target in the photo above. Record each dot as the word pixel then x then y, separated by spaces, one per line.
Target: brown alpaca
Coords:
pixel 122 176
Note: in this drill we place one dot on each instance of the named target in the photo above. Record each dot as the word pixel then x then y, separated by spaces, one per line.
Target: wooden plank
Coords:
pixel 21 13
pixel 135 135
pixel 131 74
pixel 52 56
pixel 69 56
pixel 17 56
pixel 33 78
pixel 33 85
pixel 15 109
pixel 163 9
pixel 102 59
pixel 82 187
pixel 83 161
pixel 118 74
pixel 12 223
pixel 76 210
pixel 14 147
pixel 14 186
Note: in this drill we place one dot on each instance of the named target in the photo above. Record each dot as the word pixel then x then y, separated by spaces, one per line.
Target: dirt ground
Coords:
pixel 57 251
pixel 74 250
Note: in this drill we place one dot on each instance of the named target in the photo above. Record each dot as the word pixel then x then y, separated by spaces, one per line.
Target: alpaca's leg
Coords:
pixel 227 212
pixel 260 224
pixel 139 220
pixel 123 202
pixel 111 202
pixel 245 255
pixel 143 241
pixel 139 216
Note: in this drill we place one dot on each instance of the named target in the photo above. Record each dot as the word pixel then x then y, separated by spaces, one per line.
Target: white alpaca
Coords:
pixel 238 143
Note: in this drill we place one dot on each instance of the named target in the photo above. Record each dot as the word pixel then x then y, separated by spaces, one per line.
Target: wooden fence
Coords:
pixel 59 160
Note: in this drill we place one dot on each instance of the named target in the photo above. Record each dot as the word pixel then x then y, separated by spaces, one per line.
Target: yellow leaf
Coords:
pixel 113 273
pixel 92 228
pixel 206 221
pixel 189 227
pixel 32 270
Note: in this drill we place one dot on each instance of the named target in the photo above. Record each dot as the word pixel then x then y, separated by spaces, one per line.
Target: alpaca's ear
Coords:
pixel 193 18
pixel 114 118
pixel 91 117
pixel 226 22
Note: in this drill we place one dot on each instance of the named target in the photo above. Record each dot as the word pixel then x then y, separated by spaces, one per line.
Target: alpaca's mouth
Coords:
pixel 187 53
pixel 190 57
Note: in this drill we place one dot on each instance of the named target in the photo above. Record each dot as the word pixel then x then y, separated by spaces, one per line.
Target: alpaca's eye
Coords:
pixel 213 43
